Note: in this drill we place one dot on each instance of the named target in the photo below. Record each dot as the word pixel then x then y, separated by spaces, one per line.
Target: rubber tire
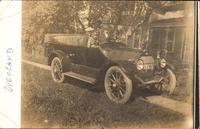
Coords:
pixel 172 82
pixel 128 82
pixel 52 73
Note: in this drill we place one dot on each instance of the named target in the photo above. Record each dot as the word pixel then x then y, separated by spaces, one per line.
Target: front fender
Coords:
pixel 170 66
pixel 128 68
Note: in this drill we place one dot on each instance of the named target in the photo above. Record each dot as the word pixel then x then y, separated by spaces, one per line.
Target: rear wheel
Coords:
pixel 57 70
pixel 118 86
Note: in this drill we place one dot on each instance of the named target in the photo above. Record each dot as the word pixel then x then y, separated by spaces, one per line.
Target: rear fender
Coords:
pixel 65 60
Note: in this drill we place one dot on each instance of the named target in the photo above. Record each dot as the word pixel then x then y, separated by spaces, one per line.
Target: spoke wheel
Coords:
pixel 168 84
pixel 57 70
pixel 118 86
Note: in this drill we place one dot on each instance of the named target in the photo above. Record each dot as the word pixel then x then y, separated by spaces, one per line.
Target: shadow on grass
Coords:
pixel 99 88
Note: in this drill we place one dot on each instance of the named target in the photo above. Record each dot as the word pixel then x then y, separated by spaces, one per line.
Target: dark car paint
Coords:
pixel 95 61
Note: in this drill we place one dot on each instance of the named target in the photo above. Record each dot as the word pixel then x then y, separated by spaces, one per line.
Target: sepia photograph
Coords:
pixel 108 64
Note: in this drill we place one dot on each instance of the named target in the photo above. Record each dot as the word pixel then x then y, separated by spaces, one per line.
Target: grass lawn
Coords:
pixel 74 105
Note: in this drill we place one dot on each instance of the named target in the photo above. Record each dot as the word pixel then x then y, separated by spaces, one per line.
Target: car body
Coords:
pixel 70 55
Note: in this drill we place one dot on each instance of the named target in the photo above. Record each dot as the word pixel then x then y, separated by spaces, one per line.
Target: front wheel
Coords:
pixel 168 84
pixel 118 86
pixel 57 70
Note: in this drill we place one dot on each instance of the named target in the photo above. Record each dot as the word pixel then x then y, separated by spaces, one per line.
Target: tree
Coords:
pixel 41 17
pixel 141 11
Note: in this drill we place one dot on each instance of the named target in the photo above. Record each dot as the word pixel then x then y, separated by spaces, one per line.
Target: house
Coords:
pixel 172 29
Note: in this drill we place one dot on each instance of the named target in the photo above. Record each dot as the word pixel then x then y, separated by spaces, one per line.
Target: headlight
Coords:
pixel 140 64
pixel 163 63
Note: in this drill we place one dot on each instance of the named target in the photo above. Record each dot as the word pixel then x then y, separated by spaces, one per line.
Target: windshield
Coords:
pixel 114 45
pixel 118 46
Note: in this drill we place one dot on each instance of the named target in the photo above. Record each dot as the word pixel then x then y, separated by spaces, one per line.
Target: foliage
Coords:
pixel 41 17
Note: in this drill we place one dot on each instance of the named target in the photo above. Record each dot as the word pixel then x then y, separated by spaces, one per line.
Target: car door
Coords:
pixel 79 55
pixel 95 58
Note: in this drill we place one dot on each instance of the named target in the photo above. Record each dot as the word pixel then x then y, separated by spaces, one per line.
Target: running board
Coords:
pixel 87 79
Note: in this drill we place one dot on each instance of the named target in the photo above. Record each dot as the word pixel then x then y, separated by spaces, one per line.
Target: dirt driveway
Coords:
pixel 76 105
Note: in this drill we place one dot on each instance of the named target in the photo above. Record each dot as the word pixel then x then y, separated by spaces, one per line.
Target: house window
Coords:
pixel 137 38
pixel 163 38
pixel 129 41
pixel 170 40
pixel 158 39
pixel 134 41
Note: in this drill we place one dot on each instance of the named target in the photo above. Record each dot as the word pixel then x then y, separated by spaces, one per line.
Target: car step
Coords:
pixel 87 79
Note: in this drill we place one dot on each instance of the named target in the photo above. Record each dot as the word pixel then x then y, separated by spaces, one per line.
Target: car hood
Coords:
pixel 125 54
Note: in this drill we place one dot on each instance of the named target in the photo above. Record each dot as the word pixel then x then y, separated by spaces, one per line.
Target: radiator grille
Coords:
pixel 148 70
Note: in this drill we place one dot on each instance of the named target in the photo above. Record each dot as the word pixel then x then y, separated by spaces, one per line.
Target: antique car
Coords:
pixel 120 68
